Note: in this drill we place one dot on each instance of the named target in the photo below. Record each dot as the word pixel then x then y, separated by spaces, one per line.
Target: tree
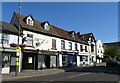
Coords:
pixel 112 52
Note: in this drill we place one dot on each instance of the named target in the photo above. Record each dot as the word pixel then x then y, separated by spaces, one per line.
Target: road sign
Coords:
pixel 18 50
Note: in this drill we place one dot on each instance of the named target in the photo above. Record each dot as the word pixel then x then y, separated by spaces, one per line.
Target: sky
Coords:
pixel 100 18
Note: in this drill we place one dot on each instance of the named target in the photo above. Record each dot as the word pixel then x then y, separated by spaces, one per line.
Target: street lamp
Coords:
pixel 18 50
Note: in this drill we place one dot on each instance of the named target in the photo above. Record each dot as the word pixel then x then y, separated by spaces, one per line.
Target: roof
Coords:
pixel 8 28
pixel 36 27
pixel 53 29
pixel 88 35
pixel 65 34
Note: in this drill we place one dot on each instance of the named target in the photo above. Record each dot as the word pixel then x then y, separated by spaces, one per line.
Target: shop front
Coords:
pixel 83 60
pixel 8 61
pixel 30 59
pixel 47 59
pixel 69 59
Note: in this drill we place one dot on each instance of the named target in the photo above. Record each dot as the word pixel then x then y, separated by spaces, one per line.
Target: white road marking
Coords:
pixel 78 75
pixel 51 80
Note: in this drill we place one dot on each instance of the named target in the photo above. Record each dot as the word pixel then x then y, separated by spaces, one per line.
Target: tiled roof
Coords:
pixel 8 28
pixel 88 35
pixel 36 27
pixel 53 29
pixel 65 34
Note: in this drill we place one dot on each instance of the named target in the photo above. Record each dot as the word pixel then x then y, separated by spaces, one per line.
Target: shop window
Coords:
pixel 5 39
pixel 53 44
pixel 29 39
pixel 5 60
pixel 62 44
pixel 30 60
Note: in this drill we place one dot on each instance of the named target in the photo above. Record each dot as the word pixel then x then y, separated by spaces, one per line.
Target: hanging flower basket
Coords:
pixel 13 45
pixel 23 45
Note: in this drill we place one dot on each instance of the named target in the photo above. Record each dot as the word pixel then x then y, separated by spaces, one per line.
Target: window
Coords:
pixel 73 34
pixel 86 49
pixel 81 58
pixel 30 22
pixel 29 39
pixel 46 26
pixel 53 44
pixel 5 38
pixel 98 50
pixel 5 60
pixel 70 46
pixel 76 48
pixel 81 48
pixel 92 48
pixel 62 44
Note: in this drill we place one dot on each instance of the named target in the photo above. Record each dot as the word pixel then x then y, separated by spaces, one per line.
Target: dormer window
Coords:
pixel 72 34
pixel 47 26
pixel 29 22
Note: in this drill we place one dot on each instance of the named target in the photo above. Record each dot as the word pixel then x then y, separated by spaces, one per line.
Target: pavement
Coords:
pixel 35 73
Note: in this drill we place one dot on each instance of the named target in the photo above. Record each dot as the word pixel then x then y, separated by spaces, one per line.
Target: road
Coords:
pixel 99 73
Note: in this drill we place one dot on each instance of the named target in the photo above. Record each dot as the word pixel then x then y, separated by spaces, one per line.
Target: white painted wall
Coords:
pixel 60 60
pixel 99 46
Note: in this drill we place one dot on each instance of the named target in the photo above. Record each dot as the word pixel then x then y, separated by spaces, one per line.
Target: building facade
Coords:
pixel 46 46
pixel 99 51
pixel 8 42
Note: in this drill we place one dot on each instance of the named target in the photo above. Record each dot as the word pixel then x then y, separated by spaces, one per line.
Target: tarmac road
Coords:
pixel 99 73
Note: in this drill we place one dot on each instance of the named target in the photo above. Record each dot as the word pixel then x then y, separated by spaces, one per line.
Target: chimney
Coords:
pixel 78 33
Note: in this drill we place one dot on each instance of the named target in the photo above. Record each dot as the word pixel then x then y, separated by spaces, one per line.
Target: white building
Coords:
pixel 46 46
pixel 8 42
pixel 100 51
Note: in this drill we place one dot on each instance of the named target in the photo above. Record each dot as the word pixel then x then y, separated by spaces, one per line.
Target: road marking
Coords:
pixel 78 75
pixel 51 80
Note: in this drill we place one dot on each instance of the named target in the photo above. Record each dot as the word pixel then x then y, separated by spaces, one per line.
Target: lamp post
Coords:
pixel 18 50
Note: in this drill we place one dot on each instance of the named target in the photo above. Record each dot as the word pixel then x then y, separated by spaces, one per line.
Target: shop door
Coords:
pixel 28 61
pixel 13 64
pixel 47 61
pixel 53 61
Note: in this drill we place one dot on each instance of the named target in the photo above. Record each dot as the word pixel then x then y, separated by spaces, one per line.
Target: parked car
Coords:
pixel 111 63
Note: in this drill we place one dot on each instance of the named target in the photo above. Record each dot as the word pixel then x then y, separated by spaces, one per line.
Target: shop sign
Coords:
pixel 69 53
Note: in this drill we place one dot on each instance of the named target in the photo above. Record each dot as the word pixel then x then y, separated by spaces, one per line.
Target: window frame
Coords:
pixel 4 39
pixel 86 49
pixel 62 44
pixel 81 48
pixel 54 44
pixel 30 39
pixel 70 45
pixel 30 22
pixel 76 47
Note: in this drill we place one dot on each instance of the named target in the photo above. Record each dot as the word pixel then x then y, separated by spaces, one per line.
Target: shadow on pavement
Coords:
pixel 98 69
